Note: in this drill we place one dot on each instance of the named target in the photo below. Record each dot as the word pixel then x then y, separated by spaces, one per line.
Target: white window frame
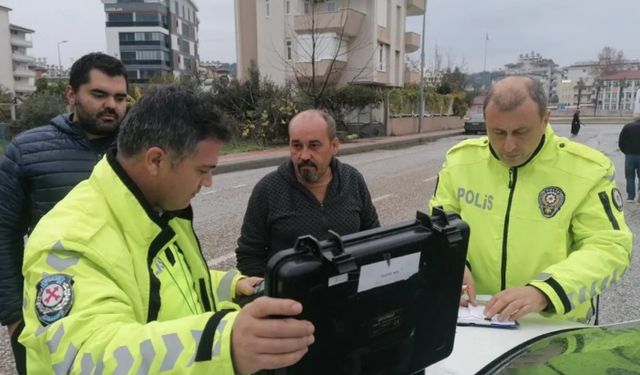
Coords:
pixel 382 57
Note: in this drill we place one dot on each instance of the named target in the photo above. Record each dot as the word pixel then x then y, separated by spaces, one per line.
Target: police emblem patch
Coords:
pixel 54 298
pixel 550 200
pixel 616 197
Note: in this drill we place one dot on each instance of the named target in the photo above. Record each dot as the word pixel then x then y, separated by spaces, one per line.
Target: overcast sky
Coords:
pixel 566 31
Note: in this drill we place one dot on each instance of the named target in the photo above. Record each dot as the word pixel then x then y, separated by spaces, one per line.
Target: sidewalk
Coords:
pixel 266 158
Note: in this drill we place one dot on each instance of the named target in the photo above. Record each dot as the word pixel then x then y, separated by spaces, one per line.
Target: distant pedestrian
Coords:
pixel 629 144
pixel 575 123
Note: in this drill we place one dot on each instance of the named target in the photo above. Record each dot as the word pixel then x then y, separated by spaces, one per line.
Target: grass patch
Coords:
pixel 235 146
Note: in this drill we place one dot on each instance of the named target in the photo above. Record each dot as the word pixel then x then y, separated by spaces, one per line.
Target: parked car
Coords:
pixel 544 346
pixel 475 123
pixel 611 349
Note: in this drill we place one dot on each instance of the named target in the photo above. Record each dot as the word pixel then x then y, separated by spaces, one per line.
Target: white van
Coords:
pixel 636 106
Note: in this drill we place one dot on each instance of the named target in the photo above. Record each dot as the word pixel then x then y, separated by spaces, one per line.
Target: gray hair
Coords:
pixel 510 97
pixel 172 117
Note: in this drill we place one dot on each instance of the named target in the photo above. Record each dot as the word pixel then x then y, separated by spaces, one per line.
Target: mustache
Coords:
pixel 307 163
pixel 108 111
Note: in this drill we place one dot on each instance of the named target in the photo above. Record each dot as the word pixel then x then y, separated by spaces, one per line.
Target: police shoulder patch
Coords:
pixel 616 198
pixel 54 298
pixel 550 200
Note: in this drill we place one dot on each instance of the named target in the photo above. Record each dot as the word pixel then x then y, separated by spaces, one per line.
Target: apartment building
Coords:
pixel 618 91
pixel 339 41
pixel 587 71
pixel 153 37
pixel 535 66
pixel 16 75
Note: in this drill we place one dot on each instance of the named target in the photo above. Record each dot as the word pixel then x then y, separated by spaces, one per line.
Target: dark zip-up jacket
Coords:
pixel 629 140
pixel 39 168
pixel 281 209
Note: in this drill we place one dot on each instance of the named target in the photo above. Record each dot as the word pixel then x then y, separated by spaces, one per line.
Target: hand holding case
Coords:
pixel 383 301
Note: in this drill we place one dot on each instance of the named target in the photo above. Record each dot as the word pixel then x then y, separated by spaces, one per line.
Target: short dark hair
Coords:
pixel 109 65
pixel 174 118
pixel 510 99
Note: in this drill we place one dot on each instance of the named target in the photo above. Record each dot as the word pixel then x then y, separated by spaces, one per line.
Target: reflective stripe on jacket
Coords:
pixel 144 300
pixel 555 223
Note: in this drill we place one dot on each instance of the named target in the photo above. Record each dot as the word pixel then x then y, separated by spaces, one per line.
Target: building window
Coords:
pixel 287 7
pixel 147 17
pixel 128 55
pixel 382 57
pixel 288 50
pixel 307 7
pixel 268 7
pixel 121 17
pixel 331 6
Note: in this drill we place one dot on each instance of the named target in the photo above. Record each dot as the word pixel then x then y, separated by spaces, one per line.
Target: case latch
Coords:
pixel 342 261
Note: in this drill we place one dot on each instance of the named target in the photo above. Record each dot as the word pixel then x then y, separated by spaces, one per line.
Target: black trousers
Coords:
pixel 19 352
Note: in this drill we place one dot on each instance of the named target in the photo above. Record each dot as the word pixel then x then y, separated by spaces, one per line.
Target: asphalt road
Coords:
pixel 401 182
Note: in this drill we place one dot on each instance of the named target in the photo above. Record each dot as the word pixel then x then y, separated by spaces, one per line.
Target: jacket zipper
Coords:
pixel 513 177
pixel 203 290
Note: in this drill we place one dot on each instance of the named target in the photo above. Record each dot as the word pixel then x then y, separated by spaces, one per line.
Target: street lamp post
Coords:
pixel 424 22
pixel 59 59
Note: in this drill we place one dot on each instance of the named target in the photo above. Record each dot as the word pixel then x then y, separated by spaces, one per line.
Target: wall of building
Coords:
pixel 271 39
pixel 6 63
pixel 409 125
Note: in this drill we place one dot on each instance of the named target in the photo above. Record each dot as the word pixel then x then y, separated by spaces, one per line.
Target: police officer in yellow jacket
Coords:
pixel 115 281
pixel 547 227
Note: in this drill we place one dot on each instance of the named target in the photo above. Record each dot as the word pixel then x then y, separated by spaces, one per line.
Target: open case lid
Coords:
pixel 383 301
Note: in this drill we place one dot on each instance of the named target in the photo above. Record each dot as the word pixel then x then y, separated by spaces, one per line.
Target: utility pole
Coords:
pixel 424 23
pixel 486 42
pixel 60 60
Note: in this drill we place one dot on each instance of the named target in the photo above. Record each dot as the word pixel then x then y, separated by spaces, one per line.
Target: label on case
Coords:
pixel 388 271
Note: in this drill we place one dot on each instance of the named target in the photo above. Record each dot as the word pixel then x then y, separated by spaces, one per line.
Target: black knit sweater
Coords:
pixel 281 209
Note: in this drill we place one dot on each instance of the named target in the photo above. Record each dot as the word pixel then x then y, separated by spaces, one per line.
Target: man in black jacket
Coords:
pixel 42 165
pixel 629 144
pixel 311 193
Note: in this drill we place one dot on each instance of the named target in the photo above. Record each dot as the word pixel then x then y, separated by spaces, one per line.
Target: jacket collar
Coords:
pixel 160 219
pixel 544 140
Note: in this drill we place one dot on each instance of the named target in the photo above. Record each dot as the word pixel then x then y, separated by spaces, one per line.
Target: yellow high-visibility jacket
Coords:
pixel 111 286
pixel 555 222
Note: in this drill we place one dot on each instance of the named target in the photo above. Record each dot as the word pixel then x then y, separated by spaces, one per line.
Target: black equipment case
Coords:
pixel 383 301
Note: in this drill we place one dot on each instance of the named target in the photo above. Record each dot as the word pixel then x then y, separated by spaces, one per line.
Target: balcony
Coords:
pixel 323 70
pixel 383 35
pixel 411 42
pixel 411 77
pixel 348 20
pixel 22 58
pixel 24 73
pixel 21 42
pixel 415 7
pixel 24 88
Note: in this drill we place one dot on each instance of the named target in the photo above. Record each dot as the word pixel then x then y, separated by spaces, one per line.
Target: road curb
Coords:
pixel 263 160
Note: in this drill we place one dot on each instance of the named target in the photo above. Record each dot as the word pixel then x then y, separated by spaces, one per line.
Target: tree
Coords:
pixel 5 105
pixel 580 86
pixel 259 108
pixel 44 86
pixel 597 85
pixel 610 61
pixel 38 109
pixel 622 84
